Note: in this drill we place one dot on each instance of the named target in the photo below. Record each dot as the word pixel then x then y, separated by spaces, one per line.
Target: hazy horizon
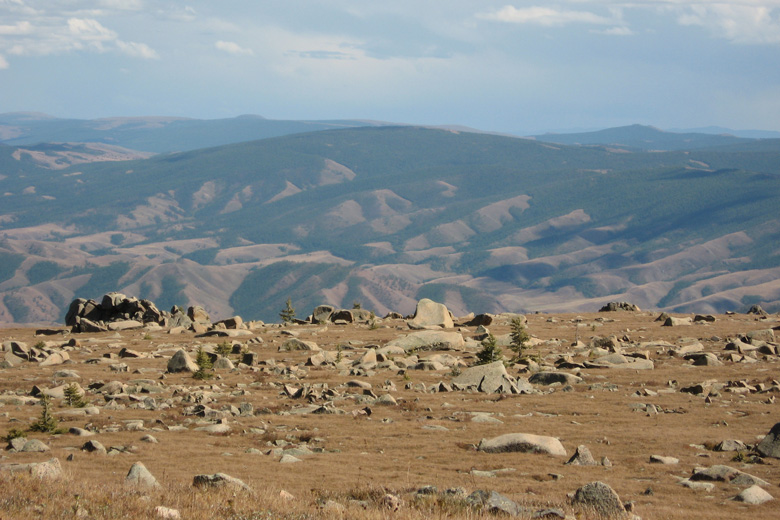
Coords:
pixel 503 66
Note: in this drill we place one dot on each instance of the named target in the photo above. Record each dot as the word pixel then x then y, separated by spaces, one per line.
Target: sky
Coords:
pixel 505 66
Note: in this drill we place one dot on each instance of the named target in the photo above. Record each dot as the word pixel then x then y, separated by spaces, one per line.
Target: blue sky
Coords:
pixel 510 66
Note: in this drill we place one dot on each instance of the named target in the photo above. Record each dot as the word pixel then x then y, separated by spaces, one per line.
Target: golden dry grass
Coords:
pixel 395 449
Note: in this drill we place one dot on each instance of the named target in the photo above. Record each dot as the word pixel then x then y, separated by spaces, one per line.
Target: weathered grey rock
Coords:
pixel 493 502
pixel 322 313
pixel 770 445
pixel 17 443
pixel 490 378
pixel 757 310
pixel 218 480
pixel 754 495
pixel 294 344
pixel 233 323
pixel 497 503
pixel 94 446
pixel 139 476
pixel 620 361
pixel 673 321
pixel 522 442
pixel 697 485
pixel 223 363
pixel 703 359
pixel 480 320
pixel 289 459
pixel 120 325
pixel 430 314
pixel 730 445
pixel 721 473
pixel 198 314
pixel 755 336
pixel 386 400
pixel 660 459
pixel 428 340
pixel 49 470
pixel 582 457
pixel 182 362
pixel 601 498
pixel 549 378
pixel 34 446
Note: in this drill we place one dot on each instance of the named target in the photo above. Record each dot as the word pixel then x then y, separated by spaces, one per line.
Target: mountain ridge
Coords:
pixel 386 215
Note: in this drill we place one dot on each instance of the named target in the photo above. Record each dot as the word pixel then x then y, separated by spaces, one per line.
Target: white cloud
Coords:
pixel 90 30
pixel 18 28
pixel 3 63
pixel 616 31
pixel 137 50
pixel 233 48
pixel 735 21
pixel 544 16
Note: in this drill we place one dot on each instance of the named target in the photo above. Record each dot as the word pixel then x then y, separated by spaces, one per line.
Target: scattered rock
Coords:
pixel 49 470
pixel 770 445
pixel 218 480
pixel 549 378
pixel 139 476
pixel 182 362
pixel 659 459
pixel 601 498
pixel 754 495
pixel 522 442
pixel 582 457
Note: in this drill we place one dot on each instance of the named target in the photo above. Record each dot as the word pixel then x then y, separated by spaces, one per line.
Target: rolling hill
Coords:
pixel 386 215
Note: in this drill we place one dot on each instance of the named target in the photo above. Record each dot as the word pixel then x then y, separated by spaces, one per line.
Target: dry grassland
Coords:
pixel 428 439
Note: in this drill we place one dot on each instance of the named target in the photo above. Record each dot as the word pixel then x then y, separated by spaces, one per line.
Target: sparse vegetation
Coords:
pixel 490 351
pixel 519 339
pixel 204 365
pixel 288 313
pixel 46 423
pixel 224 348
pixel 14 433
pixel 73 397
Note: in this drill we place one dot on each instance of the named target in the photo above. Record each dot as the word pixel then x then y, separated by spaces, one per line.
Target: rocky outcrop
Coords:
pixel 619 306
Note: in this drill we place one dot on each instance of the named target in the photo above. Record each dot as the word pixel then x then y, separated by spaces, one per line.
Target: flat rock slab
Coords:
pixel 428 340
pixel 522 442
pixel 219 480
pixel 721 473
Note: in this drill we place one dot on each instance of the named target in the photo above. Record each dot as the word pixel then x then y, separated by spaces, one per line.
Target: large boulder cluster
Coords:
pixel 114 312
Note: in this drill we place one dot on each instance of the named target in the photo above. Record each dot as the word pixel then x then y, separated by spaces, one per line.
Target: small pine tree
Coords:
pixel 204 364
pixel 490 351
pixel 288 313
pixel 47 423
pixel 224 349
pixel 519 338
pixel 73 397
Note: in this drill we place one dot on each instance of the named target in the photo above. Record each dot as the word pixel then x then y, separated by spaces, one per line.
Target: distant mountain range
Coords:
pixel 383 216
